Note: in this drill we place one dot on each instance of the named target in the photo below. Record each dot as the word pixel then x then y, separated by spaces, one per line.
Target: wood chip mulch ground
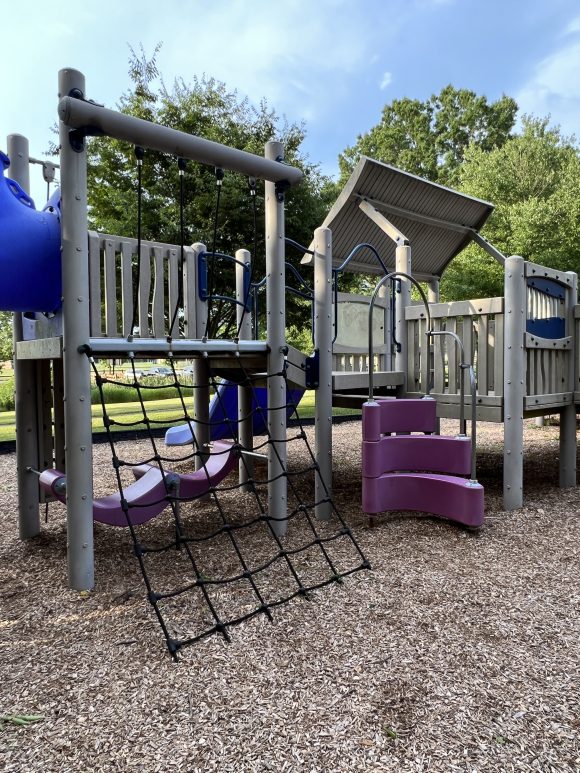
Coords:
pixel 457 652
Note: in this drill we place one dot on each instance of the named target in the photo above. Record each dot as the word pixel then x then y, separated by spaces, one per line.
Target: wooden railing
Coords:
pixel 479 324
pixel 548 363
pixel 112 278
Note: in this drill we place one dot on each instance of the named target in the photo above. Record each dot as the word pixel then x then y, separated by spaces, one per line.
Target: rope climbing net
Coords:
pixel 228 558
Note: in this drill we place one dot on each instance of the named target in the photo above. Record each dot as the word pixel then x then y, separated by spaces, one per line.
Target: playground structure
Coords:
pixel 524 346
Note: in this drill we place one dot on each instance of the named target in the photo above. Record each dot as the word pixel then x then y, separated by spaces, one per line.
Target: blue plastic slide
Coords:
pixel 29 249
pixel 223 414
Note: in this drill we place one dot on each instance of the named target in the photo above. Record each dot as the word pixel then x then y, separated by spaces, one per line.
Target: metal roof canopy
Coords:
pixel 438 222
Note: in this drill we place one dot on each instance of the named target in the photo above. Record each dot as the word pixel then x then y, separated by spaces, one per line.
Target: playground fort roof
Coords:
pixel 437 222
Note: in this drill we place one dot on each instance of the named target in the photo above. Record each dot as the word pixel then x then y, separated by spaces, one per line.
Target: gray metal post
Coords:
pixel 78 113
pixel 276 338
pixel 402 300
pixel 244 323
pixel 514 382
pixel 433 296
pixel 25 384
pixel 568 442
pixel 201 392
pixel 386 296
pixel 58 397
pixel 323 344
pixel 77 381
pixel 433 290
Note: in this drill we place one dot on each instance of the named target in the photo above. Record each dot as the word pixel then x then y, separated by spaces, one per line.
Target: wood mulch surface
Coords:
pixel 457 652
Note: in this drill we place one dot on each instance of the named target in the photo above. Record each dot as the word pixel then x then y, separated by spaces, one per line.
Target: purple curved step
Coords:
pixel 148 497
pixel 429 453
pixel 398 415
pixel 446 496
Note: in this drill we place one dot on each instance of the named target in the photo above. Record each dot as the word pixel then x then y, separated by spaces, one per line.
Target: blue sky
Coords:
pixel 330 63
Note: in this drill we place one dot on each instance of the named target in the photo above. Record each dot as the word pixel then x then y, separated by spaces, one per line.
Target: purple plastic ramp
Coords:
pixel 413 415
pixel 408 453
pixel 193 485
pixel 443 495
pixel 147 497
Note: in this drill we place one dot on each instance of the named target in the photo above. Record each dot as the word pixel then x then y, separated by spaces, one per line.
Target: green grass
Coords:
pixel 164 411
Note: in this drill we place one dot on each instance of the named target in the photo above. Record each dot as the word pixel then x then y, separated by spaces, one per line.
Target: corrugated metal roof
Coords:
pixel 438 222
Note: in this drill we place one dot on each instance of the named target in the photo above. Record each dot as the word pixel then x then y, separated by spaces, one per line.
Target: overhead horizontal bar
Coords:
pixel 79 114
pixel 180 346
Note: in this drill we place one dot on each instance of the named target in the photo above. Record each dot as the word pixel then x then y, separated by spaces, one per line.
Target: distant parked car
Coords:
pixel 160 370
pixel 188 371
pixel 138 373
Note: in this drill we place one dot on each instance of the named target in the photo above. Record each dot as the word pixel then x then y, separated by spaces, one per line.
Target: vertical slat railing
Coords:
pixel 144 290
pixel 110 289
pixel 173 289
pixel 95 294
pixel 127 286
pixel 158 310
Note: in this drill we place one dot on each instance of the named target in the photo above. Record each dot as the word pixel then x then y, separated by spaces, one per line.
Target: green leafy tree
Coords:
pixel 208 109
pixel 429 138
pixel 534 182
pixel 6 341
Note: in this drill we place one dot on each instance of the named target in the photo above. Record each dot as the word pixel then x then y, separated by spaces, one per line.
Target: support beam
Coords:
pixel 276 337
pixel 385 225
pixel 244 323
pixel 201 392
pixel 323 345
pixel 402 300
pixel 25 384
pixel 514 382
pixel 80 114
pixel 568 441
pixel 77 381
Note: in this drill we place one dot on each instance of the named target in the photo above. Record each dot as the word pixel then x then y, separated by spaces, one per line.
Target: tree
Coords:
pixel 534 182
pixel 205 108
pixel 429 138
pixel 6 340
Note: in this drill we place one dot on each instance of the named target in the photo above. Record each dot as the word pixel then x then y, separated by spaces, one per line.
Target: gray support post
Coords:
pixel 568 442
pixel 276 338
pixel 433 290
pixel 323 345
pixel 44 402
pixel 514 382
pixel 244 323
pixel 201 392
pixel 433 295
pixel 76 332
pixel 25 384
pixel 58 400
pixel 402 300
pixel 386 296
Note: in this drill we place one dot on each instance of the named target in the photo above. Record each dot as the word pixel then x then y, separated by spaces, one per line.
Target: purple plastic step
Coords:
pixel 446 496
pixel 148 496
pixel 383 416
pixel 428 453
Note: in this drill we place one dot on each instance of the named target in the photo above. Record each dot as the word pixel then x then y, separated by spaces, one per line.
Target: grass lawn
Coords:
pixel 163 411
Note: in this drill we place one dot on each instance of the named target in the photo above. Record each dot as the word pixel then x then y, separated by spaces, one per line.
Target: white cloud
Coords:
pixel 387 79
pixel 573 26
pixel 301 60
pixel 554 88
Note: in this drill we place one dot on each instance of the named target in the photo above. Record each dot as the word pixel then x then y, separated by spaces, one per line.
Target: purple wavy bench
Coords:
pixel 416 472
pixel 150 493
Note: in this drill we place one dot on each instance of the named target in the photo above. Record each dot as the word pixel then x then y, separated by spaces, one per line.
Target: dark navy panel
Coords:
pixel 548 287
pixel 551 327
